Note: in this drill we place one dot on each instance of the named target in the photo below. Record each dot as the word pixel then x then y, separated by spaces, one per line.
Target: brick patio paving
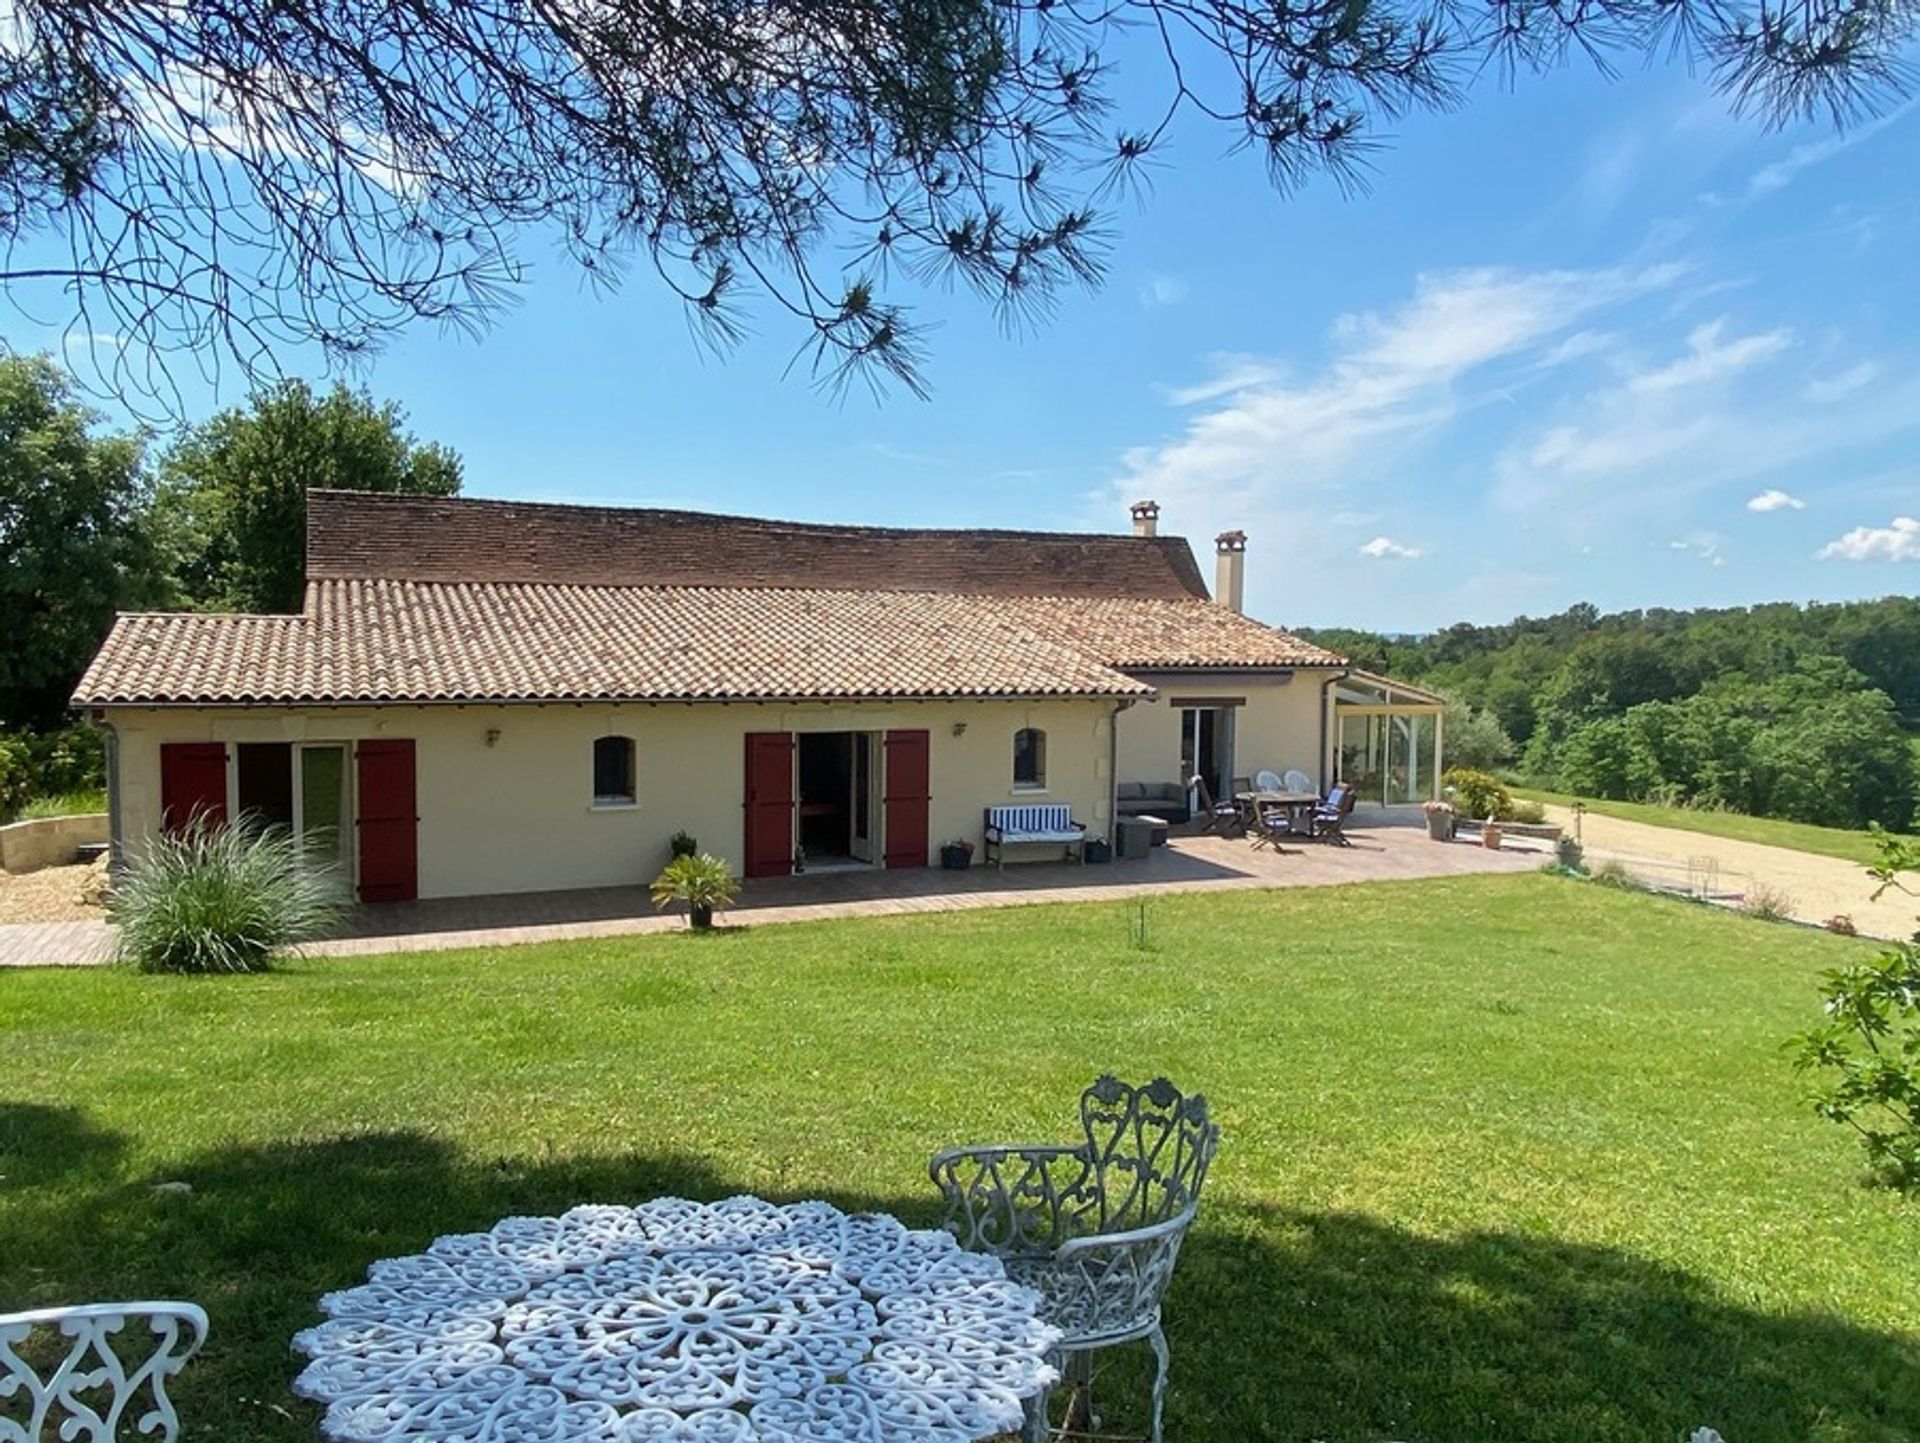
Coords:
pixel 1380 852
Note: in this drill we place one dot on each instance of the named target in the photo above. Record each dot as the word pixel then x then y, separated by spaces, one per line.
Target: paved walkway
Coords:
pixel 1187 864
pixel 1815 887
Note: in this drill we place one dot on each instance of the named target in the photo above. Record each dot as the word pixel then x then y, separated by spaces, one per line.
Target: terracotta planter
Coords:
pixel 1490 837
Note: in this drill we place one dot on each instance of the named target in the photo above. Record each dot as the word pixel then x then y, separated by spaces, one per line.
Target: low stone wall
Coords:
pixel 49 842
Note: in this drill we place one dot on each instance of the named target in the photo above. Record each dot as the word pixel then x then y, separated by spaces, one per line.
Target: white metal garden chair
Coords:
pixel 1095 1227
pixel 78 1374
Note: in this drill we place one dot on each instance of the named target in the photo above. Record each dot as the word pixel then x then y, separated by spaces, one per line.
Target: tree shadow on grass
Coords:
pixel 42 1144
pixel 1299 1325
pixel 265 1230
pixel 1285 1325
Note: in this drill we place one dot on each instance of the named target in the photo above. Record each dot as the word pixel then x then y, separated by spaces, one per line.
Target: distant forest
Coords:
pixel 1805 712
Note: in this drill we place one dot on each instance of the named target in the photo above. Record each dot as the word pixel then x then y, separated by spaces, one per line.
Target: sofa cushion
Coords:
pixel 1132 791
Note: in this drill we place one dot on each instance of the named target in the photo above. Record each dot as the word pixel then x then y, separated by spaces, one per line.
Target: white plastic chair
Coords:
pixel 86 1390
pixel 1299 781
pixel 1266 781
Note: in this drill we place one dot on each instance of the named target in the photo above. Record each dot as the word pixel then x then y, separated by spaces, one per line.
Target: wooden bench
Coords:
pixel 1050 822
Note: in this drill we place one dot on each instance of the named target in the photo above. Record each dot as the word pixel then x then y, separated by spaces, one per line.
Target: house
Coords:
pixel 486 696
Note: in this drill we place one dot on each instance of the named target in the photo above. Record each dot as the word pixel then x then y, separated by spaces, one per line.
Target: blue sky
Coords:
pixel 1581 340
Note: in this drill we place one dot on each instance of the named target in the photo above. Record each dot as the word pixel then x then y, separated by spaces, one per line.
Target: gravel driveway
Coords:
pixel 1815 887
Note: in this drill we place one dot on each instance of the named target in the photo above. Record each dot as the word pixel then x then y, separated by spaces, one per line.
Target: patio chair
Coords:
pixel 1222 817
pixel 85 1388
pixel 1094 1227
pixel 1298 781
pixel 1271 825
pixel 1266 781
pixel 1330 817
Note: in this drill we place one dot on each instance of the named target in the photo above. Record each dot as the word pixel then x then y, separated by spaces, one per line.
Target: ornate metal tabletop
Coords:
pixel 732 1322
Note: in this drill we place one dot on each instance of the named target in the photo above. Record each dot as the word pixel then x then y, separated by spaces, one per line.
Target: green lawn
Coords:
pixel 1506 1160
pixel 1736 826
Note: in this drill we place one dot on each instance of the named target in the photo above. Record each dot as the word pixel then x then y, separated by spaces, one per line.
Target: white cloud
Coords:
pixel 1823 389
pixel 1649 416
pixel 1392 376
pixel 1231 373
pixel 1710 359
pixel 1898 542
pixel 1774 499
pixel 1782 173
pixel 1704 545
pixel 1385 548
pixel 1163 291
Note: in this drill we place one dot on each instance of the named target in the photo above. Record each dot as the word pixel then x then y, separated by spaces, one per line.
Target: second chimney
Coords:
pixel 1230 569
pixel 1146 518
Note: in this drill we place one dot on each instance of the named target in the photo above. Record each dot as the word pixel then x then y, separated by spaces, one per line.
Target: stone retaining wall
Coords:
pixel 49 842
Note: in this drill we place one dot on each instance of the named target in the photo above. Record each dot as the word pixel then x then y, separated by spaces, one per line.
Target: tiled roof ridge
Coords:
pixel 772 523
pixel 437 538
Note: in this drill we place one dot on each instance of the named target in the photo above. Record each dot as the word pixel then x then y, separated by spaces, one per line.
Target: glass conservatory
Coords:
pixel 1388 739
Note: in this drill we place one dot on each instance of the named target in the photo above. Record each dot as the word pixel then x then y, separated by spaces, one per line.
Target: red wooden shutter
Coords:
pixel 193 784
pixel 769 833
pixel 388 821
pixel 909 796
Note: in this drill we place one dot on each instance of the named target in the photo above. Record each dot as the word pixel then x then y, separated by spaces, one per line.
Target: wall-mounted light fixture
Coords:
pixel 493 736
pixel 959 729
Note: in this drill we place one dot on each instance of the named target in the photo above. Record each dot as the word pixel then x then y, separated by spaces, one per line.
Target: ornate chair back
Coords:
pixel 1148 1150
pixel 81 1373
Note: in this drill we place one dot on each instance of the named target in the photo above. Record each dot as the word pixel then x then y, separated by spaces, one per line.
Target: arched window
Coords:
pixel 1029 757
pixel 613 772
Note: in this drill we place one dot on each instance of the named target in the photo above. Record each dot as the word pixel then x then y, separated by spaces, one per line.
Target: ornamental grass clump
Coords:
pixel 220 899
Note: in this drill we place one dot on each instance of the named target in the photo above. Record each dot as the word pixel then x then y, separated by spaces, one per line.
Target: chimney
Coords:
pixel 1146 518
pixel 1230 569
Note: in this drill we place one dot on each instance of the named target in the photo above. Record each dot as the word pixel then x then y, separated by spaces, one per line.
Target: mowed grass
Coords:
pixel 1848 846
pixel 1506 1159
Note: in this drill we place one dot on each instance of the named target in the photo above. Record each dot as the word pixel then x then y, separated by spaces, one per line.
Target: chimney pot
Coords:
pixel 1230 569
pixel 1146 518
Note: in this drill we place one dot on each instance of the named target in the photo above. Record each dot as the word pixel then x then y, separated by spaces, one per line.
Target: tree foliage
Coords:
pixel 233 493
pixel 1800 712
pixel 1867 1051
pixel 73 544
pixel 229 180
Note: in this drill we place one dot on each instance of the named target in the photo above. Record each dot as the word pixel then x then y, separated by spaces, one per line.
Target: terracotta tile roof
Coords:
pixel 391 615
pixel 1148 636
pixel 425 538
pixel 376 641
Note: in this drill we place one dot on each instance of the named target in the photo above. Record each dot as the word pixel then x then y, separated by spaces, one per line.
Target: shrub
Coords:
pixel 1614 873
pixel 1478 794
pixel 703 882
pixel 683 844
pixel 1527 813
pixel 1868 1049
pixel 220 899
pixel 1767 902
pixel 16 772
pixel 67 804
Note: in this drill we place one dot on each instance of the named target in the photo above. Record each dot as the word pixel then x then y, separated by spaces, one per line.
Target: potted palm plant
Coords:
pixel 703 882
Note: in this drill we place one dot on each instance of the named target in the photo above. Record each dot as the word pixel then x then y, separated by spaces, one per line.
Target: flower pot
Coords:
pixel 1098 850
pixel 1440 826
pixel 1490 837
pixel 956 859
pixel 700 915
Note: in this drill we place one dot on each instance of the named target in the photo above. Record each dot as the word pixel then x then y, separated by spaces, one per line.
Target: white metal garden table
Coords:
pixel 734 1322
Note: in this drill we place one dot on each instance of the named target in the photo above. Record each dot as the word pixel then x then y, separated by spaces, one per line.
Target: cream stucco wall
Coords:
pixel 518 815
pixel 1278 725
